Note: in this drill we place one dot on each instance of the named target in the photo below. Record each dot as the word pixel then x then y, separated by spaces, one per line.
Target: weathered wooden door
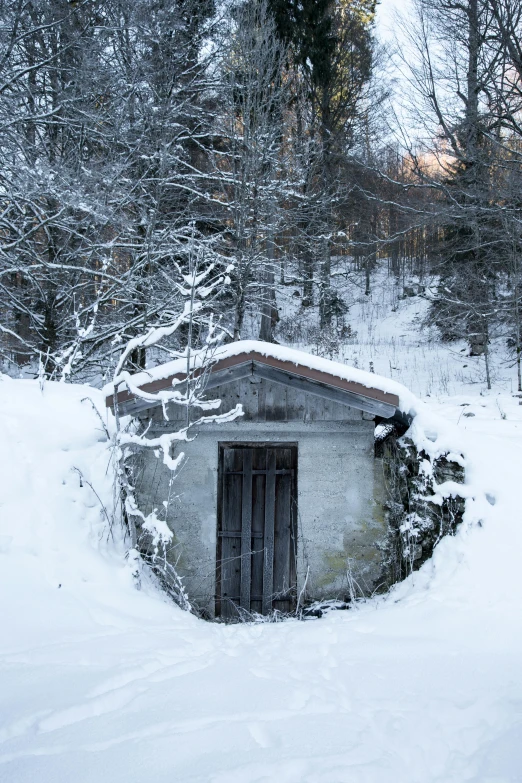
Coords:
pixel 256 551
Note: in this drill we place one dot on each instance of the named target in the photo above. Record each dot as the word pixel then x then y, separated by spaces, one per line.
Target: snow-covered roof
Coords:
pixel 297 363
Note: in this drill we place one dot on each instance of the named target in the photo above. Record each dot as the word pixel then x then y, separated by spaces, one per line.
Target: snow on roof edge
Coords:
pixel 408 402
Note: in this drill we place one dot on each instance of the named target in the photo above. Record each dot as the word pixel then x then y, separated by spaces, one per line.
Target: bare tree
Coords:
pixel 53 212
pixel 150 538
pixel 105 132
pixel 250 159
pixel 454 73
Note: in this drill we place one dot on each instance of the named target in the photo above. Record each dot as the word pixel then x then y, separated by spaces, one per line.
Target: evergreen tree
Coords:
pixel 332 46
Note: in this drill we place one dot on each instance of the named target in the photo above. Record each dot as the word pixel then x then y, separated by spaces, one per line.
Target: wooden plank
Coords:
pixel 270 500
pixel 259 455
pixel 282 521
pixel 276 410
pixel 135 405
pixel 131 405
pixel 296 405
pixel 232 534
pixel 292 556
pixel 352 399
pixel 246 530
pixel 229 545
pixel 220 377
pixel 263 472
pixel 261 401
pixel 282 532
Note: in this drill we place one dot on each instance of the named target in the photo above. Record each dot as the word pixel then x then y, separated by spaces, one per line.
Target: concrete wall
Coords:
pixel 339 523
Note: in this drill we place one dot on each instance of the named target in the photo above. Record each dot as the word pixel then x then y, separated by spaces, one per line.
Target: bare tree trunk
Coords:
pixel 518 346
pixel 269 314
pixel 486 355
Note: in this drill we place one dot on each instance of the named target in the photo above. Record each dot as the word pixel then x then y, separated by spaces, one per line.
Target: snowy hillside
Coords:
pixel 390 336
pixel 100 682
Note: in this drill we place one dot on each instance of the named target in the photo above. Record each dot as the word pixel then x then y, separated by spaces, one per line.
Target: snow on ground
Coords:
pixel 99 682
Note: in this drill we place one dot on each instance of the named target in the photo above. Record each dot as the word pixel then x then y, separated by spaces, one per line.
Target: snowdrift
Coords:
pixel 63 569
pixel 99 682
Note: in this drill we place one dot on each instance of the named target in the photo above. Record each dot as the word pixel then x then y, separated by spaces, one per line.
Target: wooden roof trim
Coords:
pixel 327 378
pixel 286 366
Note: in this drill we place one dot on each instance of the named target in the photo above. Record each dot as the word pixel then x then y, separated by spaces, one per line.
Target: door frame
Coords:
pixel 246 444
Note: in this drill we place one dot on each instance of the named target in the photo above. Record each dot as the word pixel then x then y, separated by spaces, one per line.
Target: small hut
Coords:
pixel 283 503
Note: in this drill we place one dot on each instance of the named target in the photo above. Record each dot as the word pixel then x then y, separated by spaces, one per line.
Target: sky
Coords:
pixel 386 9
pixel 389 32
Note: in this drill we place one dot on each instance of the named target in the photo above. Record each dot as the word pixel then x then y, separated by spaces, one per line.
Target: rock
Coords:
pixel 415 523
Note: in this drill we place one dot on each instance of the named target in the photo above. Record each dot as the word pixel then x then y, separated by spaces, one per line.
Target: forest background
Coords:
pixel 275 143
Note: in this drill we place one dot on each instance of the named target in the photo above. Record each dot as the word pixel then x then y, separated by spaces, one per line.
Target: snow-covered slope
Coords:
pixel 390 337
pixel 101 683
pixel 62 570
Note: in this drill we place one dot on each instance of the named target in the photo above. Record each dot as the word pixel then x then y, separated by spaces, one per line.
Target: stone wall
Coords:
pixel 415 514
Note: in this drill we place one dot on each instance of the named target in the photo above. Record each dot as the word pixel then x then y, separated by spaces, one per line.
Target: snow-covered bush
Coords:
pixel 150 537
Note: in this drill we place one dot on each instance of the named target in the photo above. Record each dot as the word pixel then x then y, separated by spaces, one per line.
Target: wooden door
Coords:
pixel 256 550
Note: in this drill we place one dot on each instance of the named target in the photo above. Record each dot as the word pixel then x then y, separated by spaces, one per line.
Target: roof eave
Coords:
pixel 313 381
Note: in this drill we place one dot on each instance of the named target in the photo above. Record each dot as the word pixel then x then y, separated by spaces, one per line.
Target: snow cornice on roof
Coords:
pixel 288 366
